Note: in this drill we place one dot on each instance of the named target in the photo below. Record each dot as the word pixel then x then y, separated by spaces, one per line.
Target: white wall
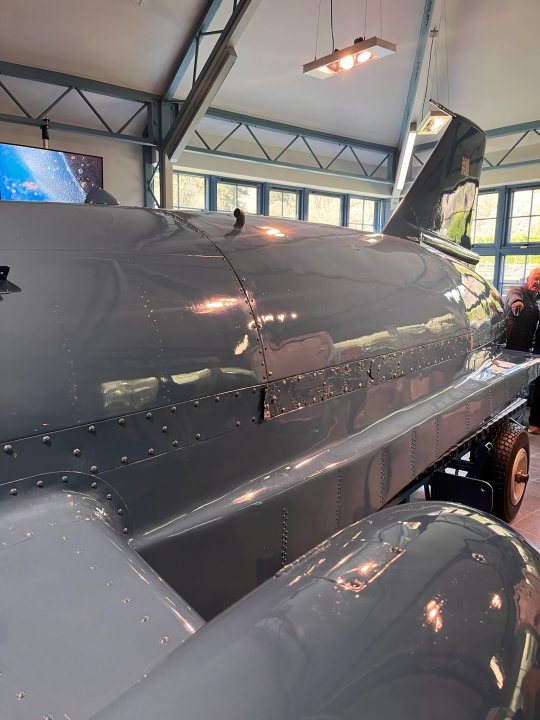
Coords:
pixel 122 162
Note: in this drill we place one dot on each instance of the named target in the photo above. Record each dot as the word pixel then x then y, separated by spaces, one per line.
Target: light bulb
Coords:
pixel 346 63
pixel 363 57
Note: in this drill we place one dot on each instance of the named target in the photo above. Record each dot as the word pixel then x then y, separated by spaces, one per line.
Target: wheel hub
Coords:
pixel 520 476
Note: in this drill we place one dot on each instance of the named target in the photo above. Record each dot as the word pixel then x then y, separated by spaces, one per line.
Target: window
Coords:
pixel 485 219
pixel 189 191
pixel 233 195
pixel 283 203
pixel 324 209
pixel 525 216
pixel 516 269
pixel 486 268
pixel 362 214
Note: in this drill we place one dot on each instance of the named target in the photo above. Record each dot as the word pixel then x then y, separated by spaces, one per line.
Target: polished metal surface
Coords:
pixel 440 202
pixel 216 401
pixel 220 379
pixel 124 310
pixel 83 616
pixel 421 611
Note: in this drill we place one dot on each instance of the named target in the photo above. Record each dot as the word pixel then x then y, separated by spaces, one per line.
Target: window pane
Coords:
pixel 324 209
pixel 487 205
pixel 226 197
pixel 356 213
pixel 532 262
pixel 519 230
pixel 485 218
pixel 536 202
pixel 275 204
pixel 362 214
pixel 534 233
pixel 486 268
pixel 369 213
pixel 517 269
pixel 232 195
pixel 522 203
pixel 189 191
pixel 283 204
pixel 247 198
pixel 290 205
pixel 514 271
pixel 484 232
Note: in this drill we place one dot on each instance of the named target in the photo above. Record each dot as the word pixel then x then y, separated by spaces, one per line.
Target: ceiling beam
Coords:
pixel 413 87
pixel 74 81
pixel 205 85
pixel 65 127
pixel 294 130
pixel 513 129
pixel 190 48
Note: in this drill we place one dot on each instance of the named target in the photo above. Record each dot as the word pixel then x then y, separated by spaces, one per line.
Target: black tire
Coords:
pixel 509 441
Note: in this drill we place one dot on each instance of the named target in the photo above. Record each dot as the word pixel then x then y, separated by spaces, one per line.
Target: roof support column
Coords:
pixel 206 83
pixel 412 95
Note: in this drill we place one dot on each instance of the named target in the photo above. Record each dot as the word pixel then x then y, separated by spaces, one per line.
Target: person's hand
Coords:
pixel 517 307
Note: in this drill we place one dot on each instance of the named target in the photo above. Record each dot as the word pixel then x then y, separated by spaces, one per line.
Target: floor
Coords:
pixel 527 521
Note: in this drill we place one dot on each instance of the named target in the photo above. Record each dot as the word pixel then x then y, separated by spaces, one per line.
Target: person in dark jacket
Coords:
pixel 522 317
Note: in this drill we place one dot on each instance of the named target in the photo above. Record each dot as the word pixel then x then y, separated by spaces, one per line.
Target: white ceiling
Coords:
pixel 493 60
pixel 125 42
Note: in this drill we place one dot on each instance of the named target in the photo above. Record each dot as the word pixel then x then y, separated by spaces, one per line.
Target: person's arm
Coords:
pixel 514 301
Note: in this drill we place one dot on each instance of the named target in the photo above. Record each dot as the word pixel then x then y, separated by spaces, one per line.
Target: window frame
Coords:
pixel 324 193
pixel 299 192
pixel 206 187
pixel 215 179
pixel 377 214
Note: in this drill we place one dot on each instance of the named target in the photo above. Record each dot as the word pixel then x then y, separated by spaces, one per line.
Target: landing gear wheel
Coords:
pixel 507 469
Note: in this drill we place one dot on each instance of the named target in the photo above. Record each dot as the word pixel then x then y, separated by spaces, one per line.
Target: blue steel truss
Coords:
pixel 72 84
pixel 383 156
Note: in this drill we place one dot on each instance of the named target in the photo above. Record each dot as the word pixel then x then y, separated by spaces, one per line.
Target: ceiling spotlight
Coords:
pixel 434 122
pixel 357 54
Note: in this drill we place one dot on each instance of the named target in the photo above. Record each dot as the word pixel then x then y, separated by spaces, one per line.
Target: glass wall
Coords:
pixel 283 203
pixel 362 214
pixel 207 192
pixel 485 219
pixel 231 195
pixel 506 234
pixel 486 268
pixel 525 216
pixel 324 209
pixel 189 191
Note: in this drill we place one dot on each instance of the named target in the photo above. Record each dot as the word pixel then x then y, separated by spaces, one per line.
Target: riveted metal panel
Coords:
pixel 318 309
pixel 127 439
pixel 420 606
pixel 123 310
pixel 84 615
pixel 311 388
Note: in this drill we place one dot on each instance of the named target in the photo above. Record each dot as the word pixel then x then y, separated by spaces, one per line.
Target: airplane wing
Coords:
pixel 83 615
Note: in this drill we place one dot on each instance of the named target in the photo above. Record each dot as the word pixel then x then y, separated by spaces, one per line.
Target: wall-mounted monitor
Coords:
pixel 28 173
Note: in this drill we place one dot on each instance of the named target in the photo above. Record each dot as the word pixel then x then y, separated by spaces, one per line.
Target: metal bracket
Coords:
pixel 5 286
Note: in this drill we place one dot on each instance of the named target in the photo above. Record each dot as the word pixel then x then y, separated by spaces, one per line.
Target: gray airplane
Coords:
pixel 193 405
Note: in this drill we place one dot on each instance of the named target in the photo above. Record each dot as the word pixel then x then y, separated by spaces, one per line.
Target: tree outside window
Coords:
pixel 485 219
pixel 324 209
pixel 525 217
pixel 232 195
pixel 189 191
pixel 362 214
pixel 283 203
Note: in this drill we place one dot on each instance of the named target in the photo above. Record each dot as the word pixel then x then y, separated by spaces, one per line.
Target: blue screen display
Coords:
pixel 28 173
